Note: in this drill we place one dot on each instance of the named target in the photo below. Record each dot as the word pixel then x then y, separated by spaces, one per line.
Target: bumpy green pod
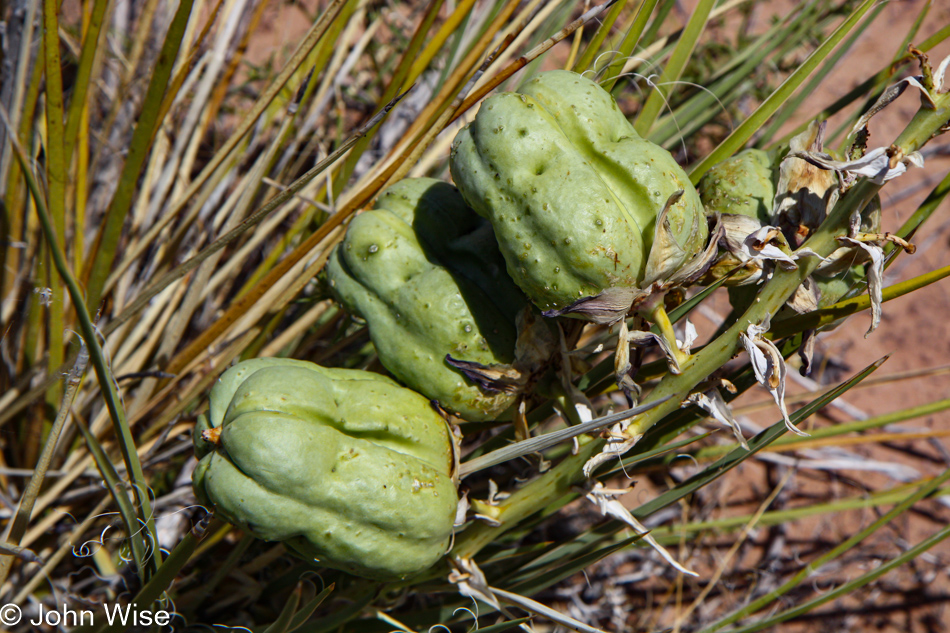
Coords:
pixel 425 272
pixel 744 190
pixel 743 184
pixel 343 466
pixel 572 192
pixel 835 288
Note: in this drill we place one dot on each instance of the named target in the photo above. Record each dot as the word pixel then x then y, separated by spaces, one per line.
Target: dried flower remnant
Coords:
pixel 618 443
pixel 712 402
pixel 534 347
pixel 929 84
pixel 642 338
pixel 866 224
pixel 749 252
pixel 487 510
pixel 689 337
pixel 607 500
pixel 875 279
pixel 461 511
pixel 804 192
pixel 769 367
pixel 879 165
pixel 471 583
pixel 767 244
pixel 45 295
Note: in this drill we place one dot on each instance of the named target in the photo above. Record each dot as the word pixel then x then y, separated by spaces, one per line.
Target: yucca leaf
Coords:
pixel 165 575
pixel 757 443
pixel 542 442
pixel 847 307
pixel 104 249
pixel 631 40
pixel 56 179
pixel 659 96
pixel 21 519
pixel 878 499
pixel 250 118
pixel 282 624
pixel 106 381
pixel 922 492
pixel 603 29
pixel 747 128
pixel 92 41
pixel 794 104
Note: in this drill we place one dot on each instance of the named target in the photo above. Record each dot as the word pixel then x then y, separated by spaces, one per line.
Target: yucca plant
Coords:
pixel 170 207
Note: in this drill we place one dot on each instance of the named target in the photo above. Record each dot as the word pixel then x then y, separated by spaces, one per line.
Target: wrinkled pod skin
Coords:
pixel 743 184
pixel 425 273
pixel 572 191
pixel 343 466
pixel 741 189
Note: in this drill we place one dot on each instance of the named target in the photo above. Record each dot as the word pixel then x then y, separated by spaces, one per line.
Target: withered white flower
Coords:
pixel 471 583
pixel 584 412
pixel 898 89
pixel 769 367
pixel 583 408
pixel 736 228
pixel 804 193
pixel 643 338
pixel 713 403
pixel 618 443
pixel 749 250
pixel 765 245
pixel 768 244
pixel 494 495
pixel 938 76
pixel 606 500
pixel 807 351
pixel 490 520
pixel 878 164
pixel 875 279
pixel 927 97
pixel 805 298
pixel 461 510
pixel 689 337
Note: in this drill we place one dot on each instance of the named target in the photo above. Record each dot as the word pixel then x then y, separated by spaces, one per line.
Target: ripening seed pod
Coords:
pixel 741 185
pixel 425 273
pixel 587 214
pixel 344 467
